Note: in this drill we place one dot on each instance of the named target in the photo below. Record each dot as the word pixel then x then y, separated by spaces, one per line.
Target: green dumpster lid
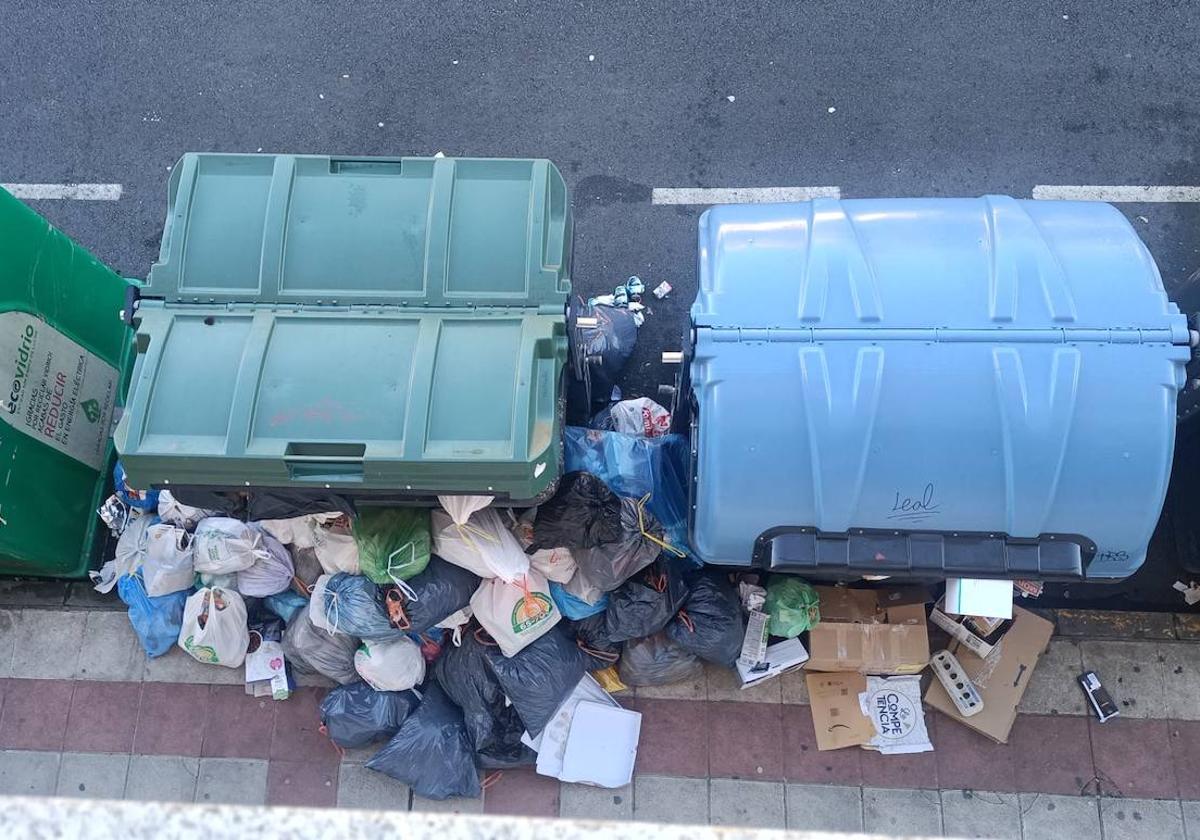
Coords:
pixel 319 230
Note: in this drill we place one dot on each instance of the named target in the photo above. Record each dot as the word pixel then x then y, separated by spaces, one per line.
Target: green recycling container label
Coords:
pixel 54 390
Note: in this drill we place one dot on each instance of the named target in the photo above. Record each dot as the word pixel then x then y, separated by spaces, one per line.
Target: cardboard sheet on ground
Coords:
pixel 551 743
pixel 987 598
pixel 602 747
pixel 1001 678
pixel 837 715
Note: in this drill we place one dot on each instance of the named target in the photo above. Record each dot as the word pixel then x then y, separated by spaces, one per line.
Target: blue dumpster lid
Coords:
pixel 984 366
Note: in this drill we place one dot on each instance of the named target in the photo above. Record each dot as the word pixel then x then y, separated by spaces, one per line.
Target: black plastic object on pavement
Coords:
pixel 431 752
pixel 539 677
pixel 493 725
pixel 647 601
pixel 657 660
pixel 608 565
pixel 441 590
pixel 591 636
pixel 356 715
pixel 582 513
pixel 599 352
pixel 710 625
pixel 311 650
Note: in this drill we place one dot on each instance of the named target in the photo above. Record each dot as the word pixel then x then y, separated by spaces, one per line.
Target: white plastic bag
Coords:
pixel 460 508
pixel 168 564
pixel 482 545
pixel 269 575
pixel 174 512
pixel 130 553
pixel 642 417
pixel 395 665
pixel 327 534
pixel 316 606
pixel 515 613
pixel 556 564
pixel 224 545
pixel 214 627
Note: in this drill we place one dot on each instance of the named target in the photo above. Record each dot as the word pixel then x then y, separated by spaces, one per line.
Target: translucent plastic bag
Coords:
pixel 637 467
pixel 484 545
pixel 214 627
pixel 539 677
pixel 395 665
pixel 431 752
pixel 515 614
pixel 355 606
pixel 645 603
pixel 174 512
pixel 461 508
pixel 271 573
pixel 167 566
pixel 393 543
pixel 493 724
pixel 222 546
pixel 310 650
pixel 641 417
pixel 130 553
pixel 419 604
pixel 793 605
pixel 156 621
pixel 355 715
pixel 657 660
pixel 710 624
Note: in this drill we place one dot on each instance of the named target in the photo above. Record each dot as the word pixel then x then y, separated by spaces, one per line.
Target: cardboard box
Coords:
pixel 1001 679
pixel 871 631
pixel 781 657
pixel 837 715
pixel 975 634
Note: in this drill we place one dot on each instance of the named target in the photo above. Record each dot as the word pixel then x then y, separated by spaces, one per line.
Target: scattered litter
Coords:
pixel 662 290
pixel 972 596
pixel 778 659
pixel 1098 696
pixel 551 744
pixel 602 746
pixel 591 58
pixel 1029 588
pixel 793 605
pixel 832 109
pixel 894 706
pixel 730 98
pixel 1189 590
pixel 872 631
pixel 380 125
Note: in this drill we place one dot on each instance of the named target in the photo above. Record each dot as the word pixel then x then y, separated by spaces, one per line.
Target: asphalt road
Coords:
pixel 880 99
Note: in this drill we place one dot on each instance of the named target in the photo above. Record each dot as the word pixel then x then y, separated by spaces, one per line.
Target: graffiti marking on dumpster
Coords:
pixel 914 508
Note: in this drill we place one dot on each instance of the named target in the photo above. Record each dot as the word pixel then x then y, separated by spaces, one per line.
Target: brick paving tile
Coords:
pixel 35 714
pixel 745 741
pixel 162 707
pixel 917 770
pixel 522 793
pixel 674 739
pixel 1052 754
pixel 103 717
pixel 303 783
pixel 803 762
pixel 970 761
pixel 297 729
pixel 238 725
pixel 1133 758
pixel 1185 755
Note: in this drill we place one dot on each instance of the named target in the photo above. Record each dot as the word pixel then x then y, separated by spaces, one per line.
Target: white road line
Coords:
pixel 1116 193
pixel 740 195
pixel 73 192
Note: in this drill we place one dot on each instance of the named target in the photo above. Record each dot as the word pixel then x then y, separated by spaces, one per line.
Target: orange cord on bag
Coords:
pixel 686 621
pixel 399 619
pixel 324 730
pixel 485 638
pixel 491 778
pixel 602 655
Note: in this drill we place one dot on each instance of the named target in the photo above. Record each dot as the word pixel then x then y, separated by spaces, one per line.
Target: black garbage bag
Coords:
pixel 609 564
pixel 539 677
pixel 355 715
pixel 494 727
pixel 646 602
pixel 710 624
pixel 431 597
pixel 657 660
pixel 431 752
pixel 582 513
pixel 599 353
pixel 254 505
pixel 311 650
pixel 591 636
pixel 354 606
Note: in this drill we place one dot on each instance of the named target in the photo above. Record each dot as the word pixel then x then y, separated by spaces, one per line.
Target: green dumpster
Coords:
pixel 385 328
pixel 63 350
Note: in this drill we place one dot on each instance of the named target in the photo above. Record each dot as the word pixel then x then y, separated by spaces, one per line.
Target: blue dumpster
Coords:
pixel 930 387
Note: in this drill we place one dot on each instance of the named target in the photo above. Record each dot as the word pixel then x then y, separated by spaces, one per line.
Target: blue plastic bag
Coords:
pixel 141 499
pixel 157 621
pixel 286 604
pixel 633 467
pixel 574 607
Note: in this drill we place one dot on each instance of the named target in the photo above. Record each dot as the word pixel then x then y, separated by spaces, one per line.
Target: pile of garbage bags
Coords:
pixel 453 634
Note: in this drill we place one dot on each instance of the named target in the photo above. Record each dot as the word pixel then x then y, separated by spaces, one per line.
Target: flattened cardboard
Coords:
pixel 1001 678
pixel 837 716
pixel 879 631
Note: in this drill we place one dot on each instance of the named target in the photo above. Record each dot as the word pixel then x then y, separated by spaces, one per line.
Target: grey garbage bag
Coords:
pixel 355 715
pixel 493 724
pixel 310 650
pixel 431 752
pixel 710 624
pixel 591 636
pixel 646 602
pixel 429 598
pixel 539 676
pixel 657 660
pixel 270 574
pixel 355 606
pixel 610 564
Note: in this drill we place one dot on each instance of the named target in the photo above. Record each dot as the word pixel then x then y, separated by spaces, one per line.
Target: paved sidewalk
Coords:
pixel 82 713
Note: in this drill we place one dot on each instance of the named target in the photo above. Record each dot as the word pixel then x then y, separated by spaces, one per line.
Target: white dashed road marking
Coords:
pixel 72 192
pixel 1129 193
pixel 740 195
